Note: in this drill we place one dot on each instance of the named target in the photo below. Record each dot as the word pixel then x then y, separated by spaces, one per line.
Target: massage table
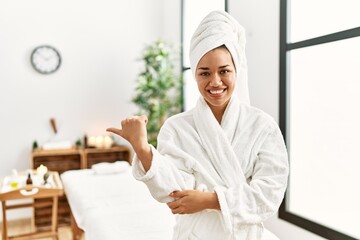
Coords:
pixel 115 207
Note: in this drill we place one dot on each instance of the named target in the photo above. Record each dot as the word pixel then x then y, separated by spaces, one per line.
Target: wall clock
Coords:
pixel 45 59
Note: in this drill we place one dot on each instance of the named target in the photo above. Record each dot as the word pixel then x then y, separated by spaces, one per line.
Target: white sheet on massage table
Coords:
pixel 115 206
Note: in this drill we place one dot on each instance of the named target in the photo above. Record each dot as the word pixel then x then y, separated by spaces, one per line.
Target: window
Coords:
pixel 320 114
pixel 193 11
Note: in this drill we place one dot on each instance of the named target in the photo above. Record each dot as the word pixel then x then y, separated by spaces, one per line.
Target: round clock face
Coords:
pixel 45 59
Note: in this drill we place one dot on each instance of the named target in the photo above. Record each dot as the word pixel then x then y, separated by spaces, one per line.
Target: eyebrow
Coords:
pixel 206 68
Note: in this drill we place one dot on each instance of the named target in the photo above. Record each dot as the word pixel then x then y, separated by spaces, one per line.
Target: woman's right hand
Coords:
pixel 133 129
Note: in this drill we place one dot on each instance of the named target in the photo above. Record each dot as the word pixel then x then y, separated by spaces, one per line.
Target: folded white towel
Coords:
pixel 110 168
pixel 57 145
pixel 216 29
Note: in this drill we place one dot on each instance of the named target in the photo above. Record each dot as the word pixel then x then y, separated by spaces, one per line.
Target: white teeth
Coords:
pixel 216 91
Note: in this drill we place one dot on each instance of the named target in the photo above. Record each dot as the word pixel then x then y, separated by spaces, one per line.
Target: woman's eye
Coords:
pixel 204 74
pixel 224 71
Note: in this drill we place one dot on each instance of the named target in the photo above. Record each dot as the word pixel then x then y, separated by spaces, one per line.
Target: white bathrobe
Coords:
pixel 244 160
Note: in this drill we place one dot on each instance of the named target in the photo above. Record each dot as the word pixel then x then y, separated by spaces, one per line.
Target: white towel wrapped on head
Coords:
pixel 110 168
pixel 216 29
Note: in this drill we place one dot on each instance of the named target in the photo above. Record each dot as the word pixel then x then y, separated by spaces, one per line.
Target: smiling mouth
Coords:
pixel 216 92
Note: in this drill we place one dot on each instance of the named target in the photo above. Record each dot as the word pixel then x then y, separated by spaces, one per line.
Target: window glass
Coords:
pixel 323 138
pixel 192 92
pixel 309 18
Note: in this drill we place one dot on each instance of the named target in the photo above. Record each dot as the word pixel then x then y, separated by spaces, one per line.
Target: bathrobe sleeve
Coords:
pixel 254 201
pixel 170 168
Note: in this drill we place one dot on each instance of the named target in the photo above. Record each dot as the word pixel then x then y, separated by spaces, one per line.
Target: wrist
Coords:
pixel 144 154
pixel 141 147
pixel 212 201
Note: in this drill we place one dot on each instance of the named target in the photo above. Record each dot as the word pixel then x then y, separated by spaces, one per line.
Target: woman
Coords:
pixel 221 167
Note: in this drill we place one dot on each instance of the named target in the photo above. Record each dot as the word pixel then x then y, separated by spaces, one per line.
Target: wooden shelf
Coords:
pixel 97 155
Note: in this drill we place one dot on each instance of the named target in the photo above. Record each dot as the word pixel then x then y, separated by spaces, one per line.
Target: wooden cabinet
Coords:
pixel 71 159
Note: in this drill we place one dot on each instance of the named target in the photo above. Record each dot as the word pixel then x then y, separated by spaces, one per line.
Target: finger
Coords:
pixel 178 210
pixel 126 120
pixel 144 118
pixel 115 130
pixel 178 194
pixel 173 205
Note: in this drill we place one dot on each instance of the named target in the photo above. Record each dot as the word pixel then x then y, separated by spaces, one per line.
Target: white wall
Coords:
pixel 261 21
pixel 100 42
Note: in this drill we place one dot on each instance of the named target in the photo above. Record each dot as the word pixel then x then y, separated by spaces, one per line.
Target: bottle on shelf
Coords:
pixel 29 180
pixel 85 141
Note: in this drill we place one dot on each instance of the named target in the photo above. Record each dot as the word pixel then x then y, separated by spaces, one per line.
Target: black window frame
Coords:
pixel 285 47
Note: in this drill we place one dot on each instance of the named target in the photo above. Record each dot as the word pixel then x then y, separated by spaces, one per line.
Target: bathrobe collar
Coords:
pixel 217 139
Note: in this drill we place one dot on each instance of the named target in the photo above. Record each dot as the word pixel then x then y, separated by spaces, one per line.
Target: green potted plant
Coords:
pixel 158 91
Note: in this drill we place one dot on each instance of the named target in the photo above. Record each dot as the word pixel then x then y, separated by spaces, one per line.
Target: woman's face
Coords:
pixel 216 77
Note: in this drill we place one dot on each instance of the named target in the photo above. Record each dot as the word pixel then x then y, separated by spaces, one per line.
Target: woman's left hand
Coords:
pixel 192 201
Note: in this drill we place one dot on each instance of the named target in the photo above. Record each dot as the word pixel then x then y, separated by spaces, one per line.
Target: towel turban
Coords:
pixel 216 29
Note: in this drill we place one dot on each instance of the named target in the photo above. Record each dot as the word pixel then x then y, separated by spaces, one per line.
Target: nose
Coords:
pixel 215 81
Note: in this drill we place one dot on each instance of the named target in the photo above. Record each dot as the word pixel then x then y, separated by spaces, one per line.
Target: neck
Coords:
pixel 218 112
